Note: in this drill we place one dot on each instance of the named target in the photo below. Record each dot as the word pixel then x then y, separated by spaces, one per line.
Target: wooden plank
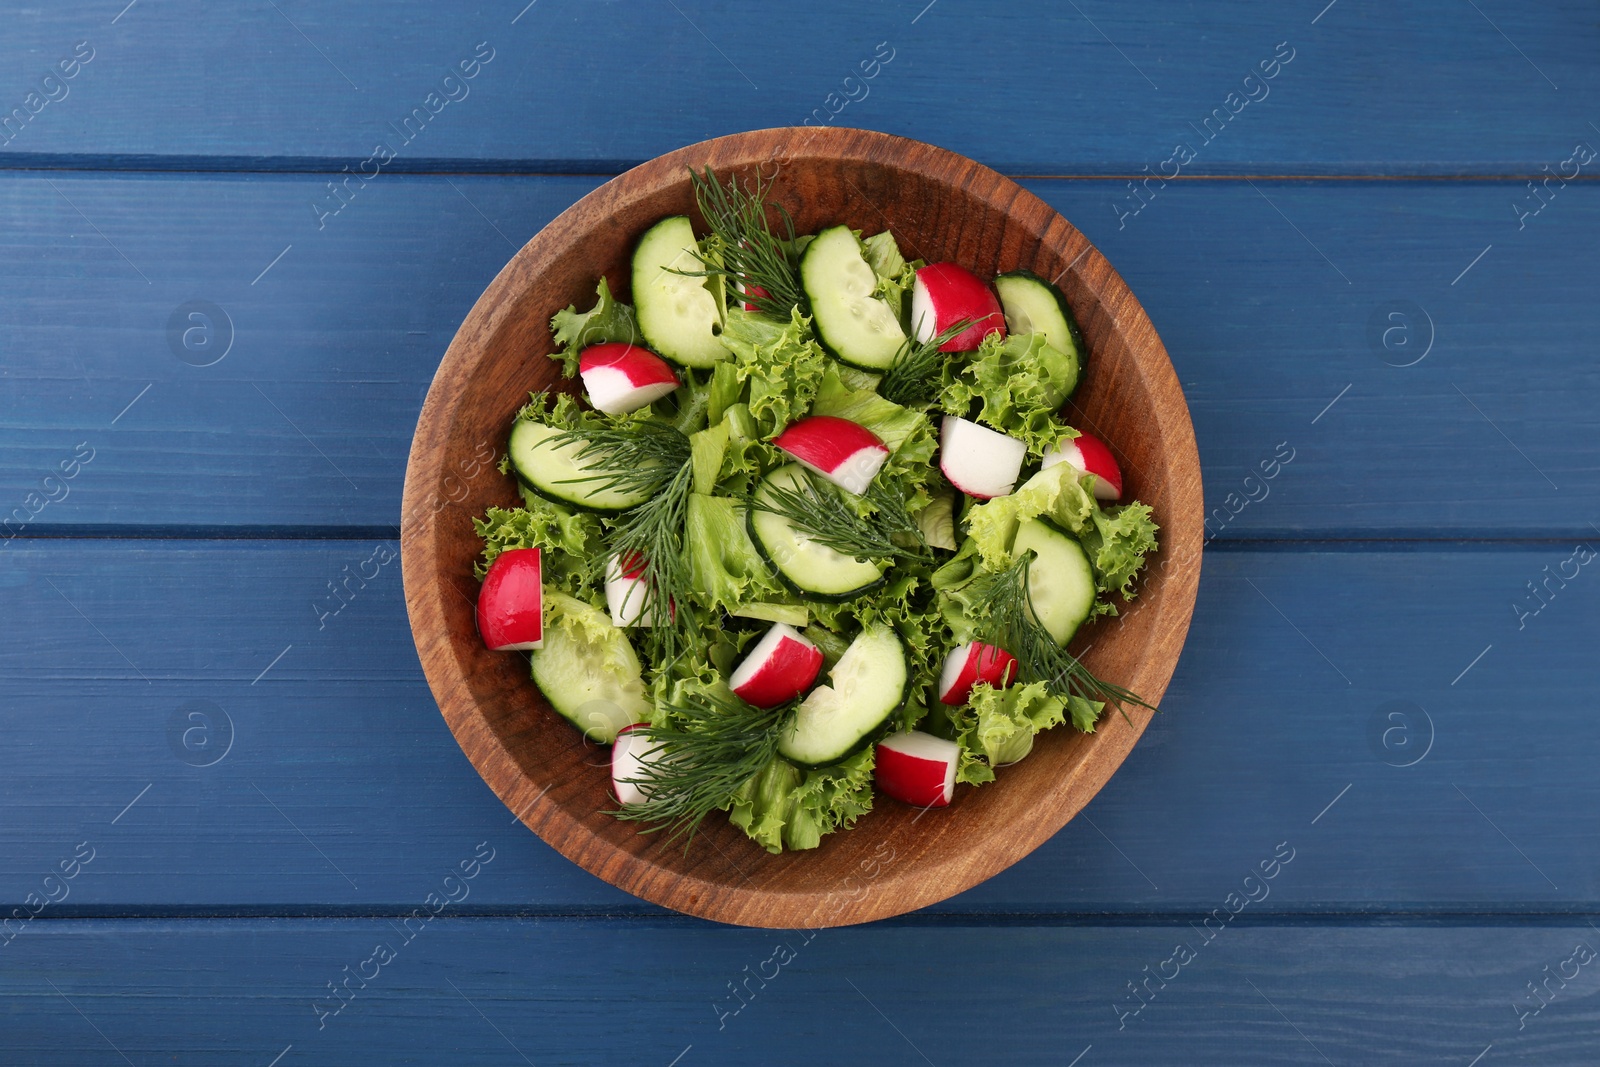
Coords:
pixel 1277 336
pixel 1436 88
pixel 343 792
pixel 532 991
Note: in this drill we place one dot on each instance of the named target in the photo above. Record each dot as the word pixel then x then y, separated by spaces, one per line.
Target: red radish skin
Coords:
pixel 971 663
pixel 621 377
pixel 980 462
pixel 632 753
pixel 750 292
pixel 1091 456
pixel 511 602
pixel 944 294
pixel 846 453
pixel 917 768
pixel 781 666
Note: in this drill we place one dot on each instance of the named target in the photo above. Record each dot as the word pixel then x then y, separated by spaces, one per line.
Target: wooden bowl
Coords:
pixel 940 206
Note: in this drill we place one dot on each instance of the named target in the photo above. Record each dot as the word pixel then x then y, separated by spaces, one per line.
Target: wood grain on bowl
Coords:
pixel 940 206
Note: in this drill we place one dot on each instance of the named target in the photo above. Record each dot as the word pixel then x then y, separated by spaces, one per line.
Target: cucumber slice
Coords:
pixel 1033 305
pixel 553 471
pixel 1060 580
pixel 587 670
pixel 851 323
pixel 865 687
pixel 814 569
pixel 678 314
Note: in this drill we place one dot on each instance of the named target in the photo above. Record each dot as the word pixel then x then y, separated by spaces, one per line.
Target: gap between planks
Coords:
pixel 647 915
pixel 606 169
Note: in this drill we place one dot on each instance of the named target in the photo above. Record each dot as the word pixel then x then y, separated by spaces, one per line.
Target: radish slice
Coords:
pixel 749 292
pixel 511 602
pixel 621 377
pixel 1091 456
pixel 917 768
pixel 971 663
pixel 627 592
pixel 944 294
pixel 632 755
pixel 781 667
pixel 979 461
pixel 846 453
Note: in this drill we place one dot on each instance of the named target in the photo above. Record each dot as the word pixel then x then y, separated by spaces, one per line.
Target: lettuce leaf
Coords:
pixel 1019 383
pixel 724 567
pixel 882 253
pixel 723 392
pixel 855 377
pixel 795 614
pixel 1117 543
pixel 1058 493
pixel 564 412
pixel 608 320
pixel 778 363
pixel 706 451
pixel 937 522
pixel 568 540
pixel 896 292
pixel 895 275
pixel 783 806
pixel 997 726
pixel 688 407
pixel 745 456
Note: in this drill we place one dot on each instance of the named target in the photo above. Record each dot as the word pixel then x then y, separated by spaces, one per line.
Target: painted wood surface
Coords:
pixel 583 992
pixel 1410 346
pixel 1423 899
pixel 286 753
pixel 1092 88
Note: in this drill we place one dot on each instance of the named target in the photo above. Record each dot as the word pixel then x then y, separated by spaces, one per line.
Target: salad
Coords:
pixel 812 529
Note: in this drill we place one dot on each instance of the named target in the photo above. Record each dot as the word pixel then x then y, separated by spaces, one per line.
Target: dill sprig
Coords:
pixel 913 378
pixel 653 532
pixel 752 255
pixel 708 750
pixel 823 515
pixel 1005 601
pixel 648 458
pixel 632 458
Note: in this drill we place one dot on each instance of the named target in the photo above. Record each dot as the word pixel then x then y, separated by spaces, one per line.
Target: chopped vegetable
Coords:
pixel 846 453
pixel 511 602
pixel 980 462
pixel 781 667
pixel 1088 455
pixel 946 294
pixel 918 768
pixel 622 377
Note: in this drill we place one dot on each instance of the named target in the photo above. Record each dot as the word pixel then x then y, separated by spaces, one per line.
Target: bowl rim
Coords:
pixel 934 877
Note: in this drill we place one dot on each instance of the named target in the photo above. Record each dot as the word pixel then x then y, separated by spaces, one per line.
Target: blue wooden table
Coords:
pixel 236 828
